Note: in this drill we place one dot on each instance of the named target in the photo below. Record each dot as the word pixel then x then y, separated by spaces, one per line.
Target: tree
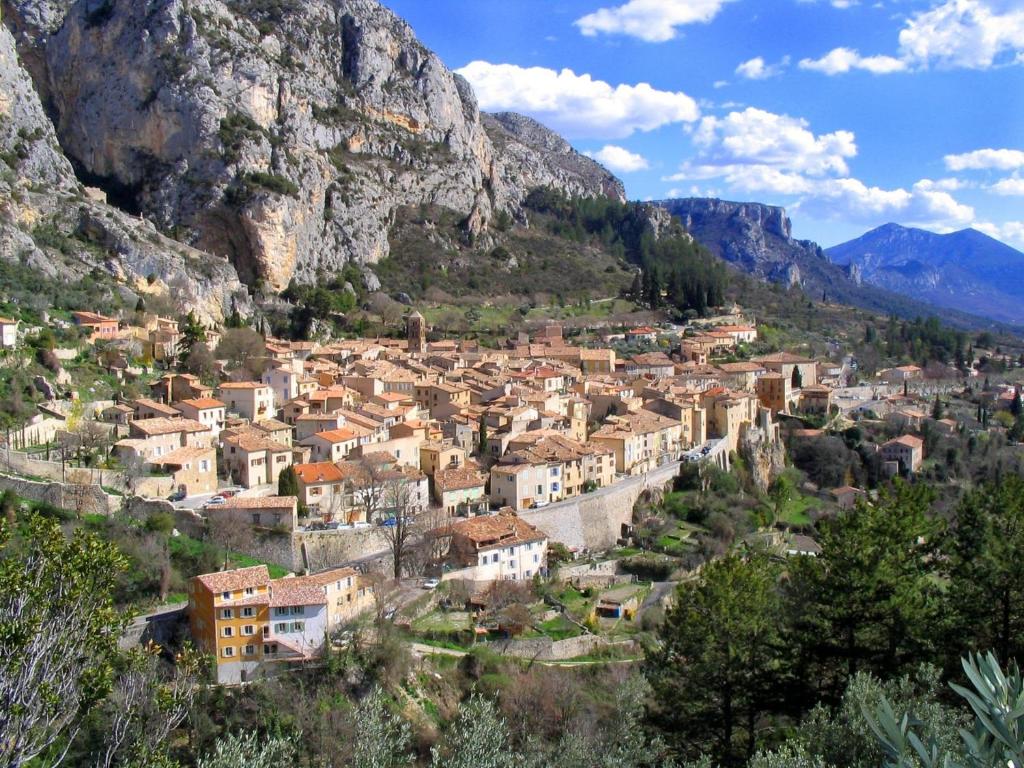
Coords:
pixel 243 347
pixel 58 636
pixel 477 738
pixel 780 492
pixel 1016 408
pixel 200 361
pixel 869 600
pixel 798 377
pixel 382 739
pixel 192 332
pixel 985 598
pixel 482 441
pixel 937 409
pixel 149 700
pixel 246 749
pixel 400 535
pixel 712 674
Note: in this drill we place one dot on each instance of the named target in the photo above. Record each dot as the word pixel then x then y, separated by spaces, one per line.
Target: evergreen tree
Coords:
pixel 714 674
pixel 382 738
pixel 937 409
pixel 478 738
pixel 1016 407
pixel 192 333
pixel 482 438
pixel 797 378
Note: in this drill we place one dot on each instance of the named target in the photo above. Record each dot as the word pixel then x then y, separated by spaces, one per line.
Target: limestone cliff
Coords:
pixel 49 222
pixel 281 135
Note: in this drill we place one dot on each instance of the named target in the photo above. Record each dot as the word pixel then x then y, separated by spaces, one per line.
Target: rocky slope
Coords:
pixel 278 134
pixel 51 223
pixel 757 239
pixel 965 270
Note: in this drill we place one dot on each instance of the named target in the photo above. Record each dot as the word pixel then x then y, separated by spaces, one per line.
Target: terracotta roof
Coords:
pixel 259 502
pixel 336 435
pixel 243 385
pixel 908 440
pixel 502 530
pixel 458 478
pixel 165 426
pixel 296 590
pixel 239 578
pixel 319 472
pixel 202 403
pixel 331 575
pixel 180 456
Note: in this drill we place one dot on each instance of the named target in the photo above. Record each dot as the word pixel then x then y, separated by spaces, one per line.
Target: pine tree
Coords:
pixel 798 378
pixel 482 441
pixel 937 409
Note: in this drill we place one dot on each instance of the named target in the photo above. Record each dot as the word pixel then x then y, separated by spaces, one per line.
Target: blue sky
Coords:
pixel 851 113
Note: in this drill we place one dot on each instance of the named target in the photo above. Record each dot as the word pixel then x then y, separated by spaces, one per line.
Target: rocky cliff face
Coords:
pixel 755 237
pixel 531 155
pixel 50 222
pixel 280 135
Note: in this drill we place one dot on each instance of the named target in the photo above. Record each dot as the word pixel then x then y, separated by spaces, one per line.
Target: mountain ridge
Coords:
pixel 964 270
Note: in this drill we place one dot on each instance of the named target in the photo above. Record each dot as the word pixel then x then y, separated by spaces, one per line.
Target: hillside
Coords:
pixel 966 270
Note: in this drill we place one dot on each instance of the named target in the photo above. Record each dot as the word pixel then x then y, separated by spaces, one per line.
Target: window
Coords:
pixel 280 611
pixel 248 613
pixel 298 626
pixel 554 471
pixel 536 558
pixel 540 490
pixel 494 559
pixel 228 651
pixel 249 650
pixel 225 613
pixel 248 629
pixel 250 591
pixel 269 648
pixel 204 465
pixel 511 563
pixel 281 628
pixel 227 632
pixel 554 487
pixel 225 595
pixel 296 610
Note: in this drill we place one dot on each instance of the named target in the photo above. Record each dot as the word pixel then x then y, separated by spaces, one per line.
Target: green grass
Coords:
pixel 194 548
pixel 559 628
pixel 796 511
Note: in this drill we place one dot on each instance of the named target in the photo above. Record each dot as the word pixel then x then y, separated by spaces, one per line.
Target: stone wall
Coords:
pixel 546 649
pixel 24 464
pixel 86 499
pixel 594 520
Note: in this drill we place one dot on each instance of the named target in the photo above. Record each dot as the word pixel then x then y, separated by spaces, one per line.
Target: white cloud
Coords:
pixel 963 33
pixel 577 105
pixel 1011 186
pixel 653 21
pixel 619 159
pixel 986 159
pixel 941 185
pixel 1011 232
pixel 757 69
pixel 842 60
pixel 967 34
pixel 851 200
pixel 757 137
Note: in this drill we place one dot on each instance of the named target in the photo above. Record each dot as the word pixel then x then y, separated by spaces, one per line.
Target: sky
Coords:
pixel 850 113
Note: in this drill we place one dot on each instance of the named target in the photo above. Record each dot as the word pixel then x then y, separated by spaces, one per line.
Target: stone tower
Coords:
pixel 416 333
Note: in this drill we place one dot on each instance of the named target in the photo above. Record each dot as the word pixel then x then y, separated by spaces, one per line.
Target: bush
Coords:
pixel 649 567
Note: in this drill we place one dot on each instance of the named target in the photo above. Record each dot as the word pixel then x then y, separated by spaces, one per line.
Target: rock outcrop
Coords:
pixel 279 135
pixel 50 222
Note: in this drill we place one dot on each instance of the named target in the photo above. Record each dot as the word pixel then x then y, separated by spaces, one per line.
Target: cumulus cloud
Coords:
pixel 986 159
pixel 757 137
pixel 851 200
pixel 757 69
pixel 963 33
pixel 653 21
pixel 619 159
pixel 763 154
pixel 1011 186
pixel 842 60
pixel 577 106
pixel 1009 231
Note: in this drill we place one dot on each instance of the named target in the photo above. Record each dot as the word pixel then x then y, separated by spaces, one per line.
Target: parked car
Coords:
pixel 216 501
pixel 361 525
pixel 431 583
pixel 391 522
pixel 178 495
pixel 227 493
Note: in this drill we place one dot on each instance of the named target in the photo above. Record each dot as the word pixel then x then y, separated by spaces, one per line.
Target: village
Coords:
pixel 461 490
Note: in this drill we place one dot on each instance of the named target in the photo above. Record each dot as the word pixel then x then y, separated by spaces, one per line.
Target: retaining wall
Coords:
pixel 594 520
pixel 86 499
pixel 546 649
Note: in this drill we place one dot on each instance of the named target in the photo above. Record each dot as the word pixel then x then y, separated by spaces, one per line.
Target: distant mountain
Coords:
pixel 966 270
pixel 757 239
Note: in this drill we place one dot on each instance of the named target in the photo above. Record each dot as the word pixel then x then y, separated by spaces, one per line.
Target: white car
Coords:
pixel 215 501
pixel 431 583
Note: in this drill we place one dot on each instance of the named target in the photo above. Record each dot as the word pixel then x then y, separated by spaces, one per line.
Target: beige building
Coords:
pixel 907 450
pixel 500 547
pixel 641 441
pixel 252 459
pixel 249 399
pixel 207 411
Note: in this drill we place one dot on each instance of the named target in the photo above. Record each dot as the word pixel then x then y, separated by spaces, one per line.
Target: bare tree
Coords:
pixel 399 535
pixel 78 492
pixel 389 310
pixel 230 535
pixel 431 541
pixel 371 484
pixel 149 700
